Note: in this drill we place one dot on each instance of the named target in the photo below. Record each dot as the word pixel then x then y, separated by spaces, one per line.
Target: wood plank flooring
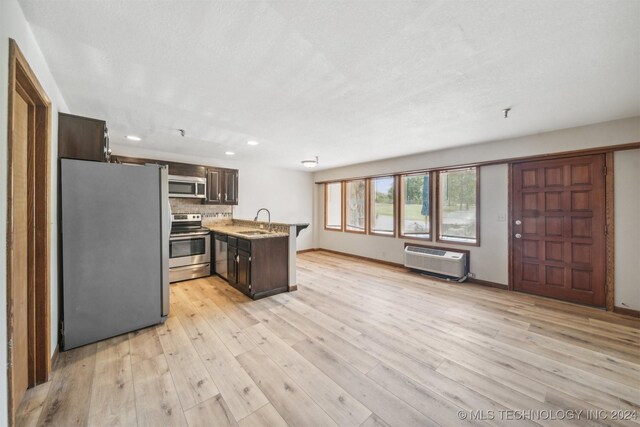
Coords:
pixel 359 344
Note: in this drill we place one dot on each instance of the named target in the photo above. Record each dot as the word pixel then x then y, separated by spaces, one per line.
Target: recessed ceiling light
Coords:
pixel 252 143
pixel 133 138
pixel 229 153
pixel 310 163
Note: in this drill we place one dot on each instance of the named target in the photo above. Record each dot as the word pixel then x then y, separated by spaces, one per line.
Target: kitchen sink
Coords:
pixel 253 232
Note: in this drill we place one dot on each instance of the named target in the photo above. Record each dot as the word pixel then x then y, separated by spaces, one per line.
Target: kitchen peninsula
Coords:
pixel 256 258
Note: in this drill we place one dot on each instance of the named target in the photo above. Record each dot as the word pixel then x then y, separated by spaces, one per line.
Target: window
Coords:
pixel 355 206
pixel 383 205
pixel 333 206
pixel 415 206
pixel 457 205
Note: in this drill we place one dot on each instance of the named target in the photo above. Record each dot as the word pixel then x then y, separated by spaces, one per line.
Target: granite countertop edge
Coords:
pixel 235 231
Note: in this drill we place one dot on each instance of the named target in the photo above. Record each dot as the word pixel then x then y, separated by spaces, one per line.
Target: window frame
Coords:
pixel 370 206
pixel 432 195
pixel 450 241
pixel 366 206
pixel 326 206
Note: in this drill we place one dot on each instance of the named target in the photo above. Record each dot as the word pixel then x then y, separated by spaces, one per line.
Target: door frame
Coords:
pixel 39 178
pixel 609 217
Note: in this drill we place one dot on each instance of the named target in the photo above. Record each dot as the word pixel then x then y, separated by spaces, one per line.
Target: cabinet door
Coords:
pixel 230 187
pixel 232 272
pixel 214 187
pixel 244 269
pixel 81 138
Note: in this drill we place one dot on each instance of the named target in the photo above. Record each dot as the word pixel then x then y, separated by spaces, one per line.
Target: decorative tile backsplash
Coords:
pixel 211 214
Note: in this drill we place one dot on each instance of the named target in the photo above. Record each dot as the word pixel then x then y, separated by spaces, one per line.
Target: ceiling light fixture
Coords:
pixel 310 163
pixel 252 143
pixel 229 153
pixel 133 138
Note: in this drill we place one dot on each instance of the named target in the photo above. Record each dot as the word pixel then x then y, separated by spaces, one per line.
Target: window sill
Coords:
pixel 333 229
pixel 458 242
pixel 409 236
pixel 374 233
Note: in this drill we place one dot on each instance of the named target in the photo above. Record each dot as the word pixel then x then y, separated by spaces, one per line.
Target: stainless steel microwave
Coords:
pixel 187 186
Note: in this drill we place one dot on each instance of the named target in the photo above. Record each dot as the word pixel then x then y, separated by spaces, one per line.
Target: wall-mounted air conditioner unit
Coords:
pixel 448 264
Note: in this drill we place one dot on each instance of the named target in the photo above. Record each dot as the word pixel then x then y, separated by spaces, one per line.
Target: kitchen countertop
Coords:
pixel 236 231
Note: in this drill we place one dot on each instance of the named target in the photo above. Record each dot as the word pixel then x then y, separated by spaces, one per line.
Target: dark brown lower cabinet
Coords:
pixel 260 267
pixel 244 270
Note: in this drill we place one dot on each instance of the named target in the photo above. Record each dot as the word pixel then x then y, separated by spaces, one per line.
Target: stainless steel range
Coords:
pixel 189 248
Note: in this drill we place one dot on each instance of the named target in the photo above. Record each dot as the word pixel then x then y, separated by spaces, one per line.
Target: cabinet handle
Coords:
pixel 219 196
pixel 225 197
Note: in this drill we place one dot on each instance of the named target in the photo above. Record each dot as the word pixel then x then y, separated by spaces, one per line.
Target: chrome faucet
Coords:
pixel 268 213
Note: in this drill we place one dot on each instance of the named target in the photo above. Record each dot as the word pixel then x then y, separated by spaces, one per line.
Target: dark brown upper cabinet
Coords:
pixel 82 138
pixel 214 190
pixel 222 186
pixel 230 187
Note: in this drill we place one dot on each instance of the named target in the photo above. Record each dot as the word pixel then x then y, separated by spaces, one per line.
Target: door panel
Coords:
pixel 19 273
pixel 561 249
pixel 244 269
pixel 231 265
pixel 231 187
pixel 214 190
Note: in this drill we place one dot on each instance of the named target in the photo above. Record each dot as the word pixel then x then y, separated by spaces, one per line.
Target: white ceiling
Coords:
pixel 349 81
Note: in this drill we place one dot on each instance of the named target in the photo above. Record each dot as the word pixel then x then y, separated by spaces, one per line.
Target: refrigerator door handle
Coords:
pixel 165 207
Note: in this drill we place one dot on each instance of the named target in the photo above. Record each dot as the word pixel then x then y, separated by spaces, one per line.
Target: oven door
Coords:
pixel 189 249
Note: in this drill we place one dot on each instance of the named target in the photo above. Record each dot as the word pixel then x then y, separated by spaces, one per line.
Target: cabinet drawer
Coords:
pixel 245 245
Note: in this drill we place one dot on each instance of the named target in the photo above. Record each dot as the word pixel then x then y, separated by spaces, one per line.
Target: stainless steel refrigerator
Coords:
pixel 115 224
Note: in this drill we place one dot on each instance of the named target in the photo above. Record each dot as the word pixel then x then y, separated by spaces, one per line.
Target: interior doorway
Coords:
pixel 28 231
pixel 559 228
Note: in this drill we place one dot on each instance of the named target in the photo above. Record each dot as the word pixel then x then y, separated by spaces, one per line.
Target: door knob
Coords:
pixel 518 235
pixel 518 222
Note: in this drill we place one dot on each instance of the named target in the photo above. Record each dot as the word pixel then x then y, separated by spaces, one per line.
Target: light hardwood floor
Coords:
pixel 358 344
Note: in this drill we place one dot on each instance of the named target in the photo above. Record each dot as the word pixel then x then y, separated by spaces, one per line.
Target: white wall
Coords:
pixel 626 165
pixel 288 194
pixel 490 260
pixel 13 25
pixel 579 138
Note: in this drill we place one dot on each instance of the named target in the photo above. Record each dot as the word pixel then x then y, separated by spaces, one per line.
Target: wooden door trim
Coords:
pixel 609 217
pixel 21 75
pixel 609 195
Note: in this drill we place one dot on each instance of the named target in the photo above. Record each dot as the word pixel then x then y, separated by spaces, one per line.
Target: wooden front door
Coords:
pixel 558 232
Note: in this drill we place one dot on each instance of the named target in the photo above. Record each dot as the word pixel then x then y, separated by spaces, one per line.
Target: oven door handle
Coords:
pixel 190 267
pixel 203 233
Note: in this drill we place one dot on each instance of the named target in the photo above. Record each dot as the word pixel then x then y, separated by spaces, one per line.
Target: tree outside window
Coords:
pixel 416 206
pixel 458 205
pixel 355 205
pixel 382 207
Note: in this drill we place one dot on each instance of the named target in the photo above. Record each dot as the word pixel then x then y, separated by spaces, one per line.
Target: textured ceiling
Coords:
pixel 349 81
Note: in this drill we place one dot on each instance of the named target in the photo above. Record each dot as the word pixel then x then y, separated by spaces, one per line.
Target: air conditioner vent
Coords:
pixel 427 251
pixel 436 261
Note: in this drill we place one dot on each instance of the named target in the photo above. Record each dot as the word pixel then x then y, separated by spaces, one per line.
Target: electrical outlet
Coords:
pixel 472 275
pixel 502 217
